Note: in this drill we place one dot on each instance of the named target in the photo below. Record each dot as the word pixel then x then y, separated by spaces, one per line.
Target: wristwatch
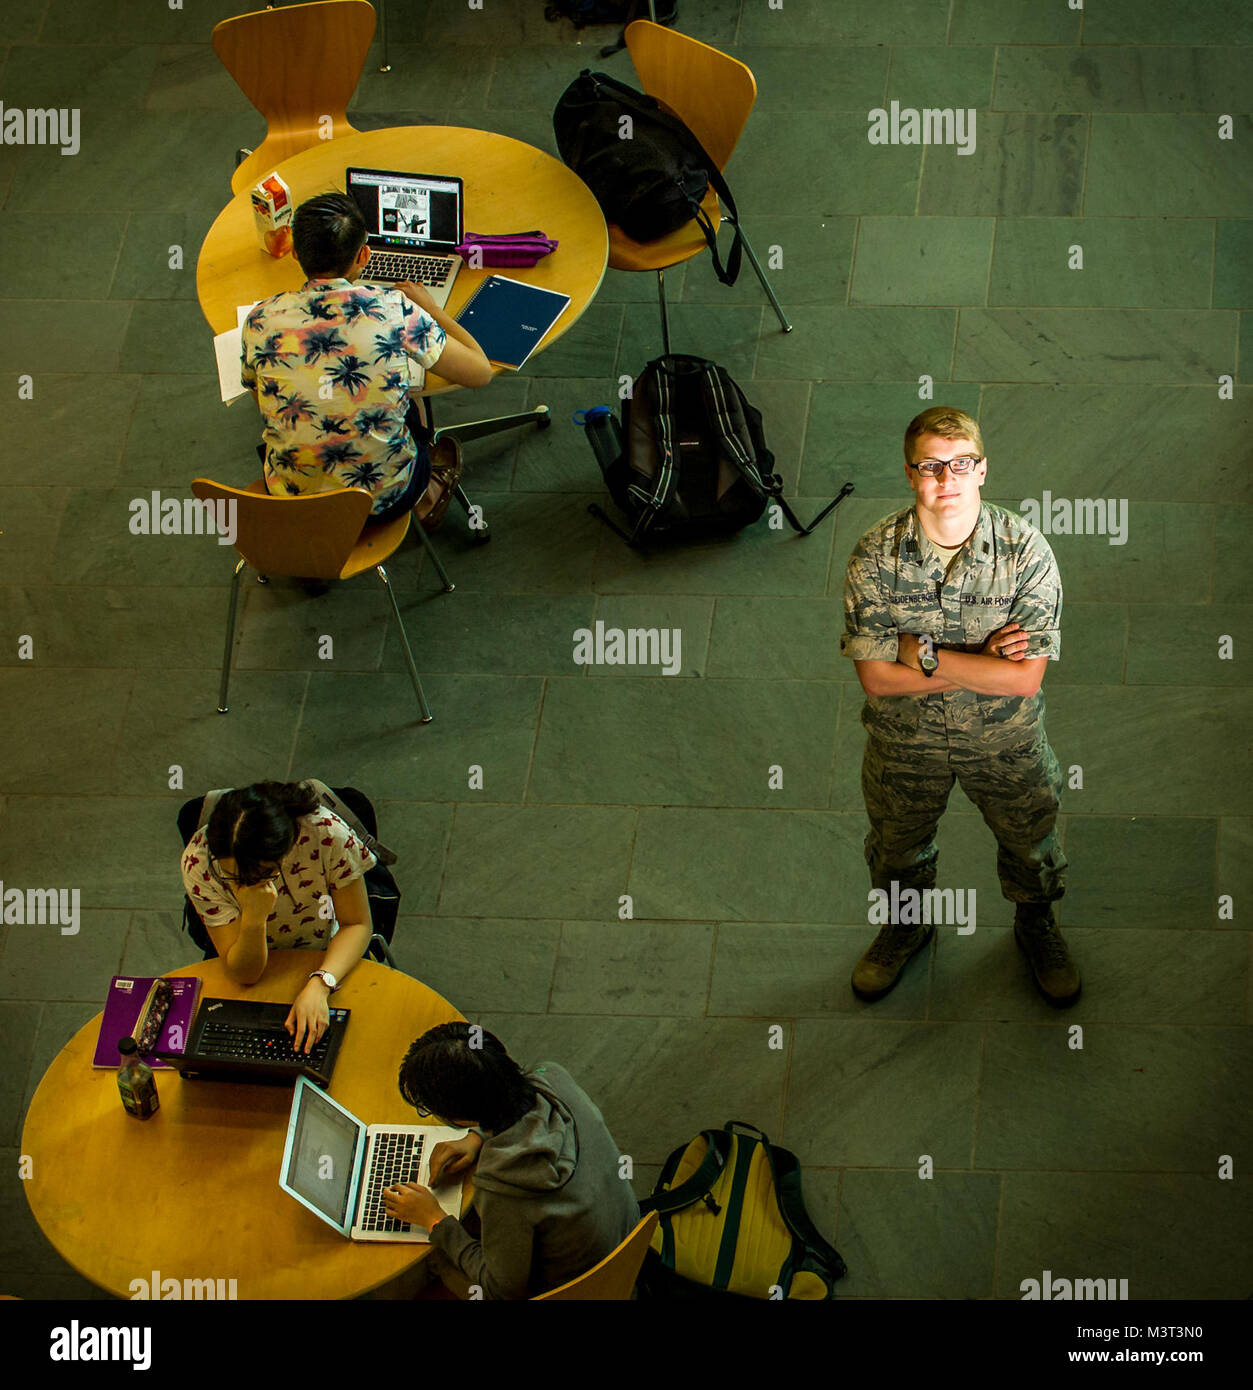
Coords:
pixel 327 979
pixel 927 658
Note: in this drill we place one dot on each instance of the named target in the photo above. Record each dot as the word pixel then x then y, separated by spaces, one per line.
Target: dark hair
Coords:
pixel 444 1073
pixel 327 232
pixel 257 825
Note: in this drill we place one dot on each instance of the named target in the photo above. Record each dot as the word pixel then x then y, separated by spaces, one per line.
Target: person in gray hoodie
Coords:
pixel 548 1197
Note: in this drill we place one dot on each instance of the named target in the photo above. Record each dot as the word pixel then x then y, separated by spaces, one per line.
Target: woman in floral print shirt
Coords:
pixel 273 869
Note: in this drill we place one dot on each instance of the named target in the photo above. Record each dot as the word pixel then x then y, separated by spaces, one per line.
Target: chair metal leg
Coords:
pixel 481 533
pixel 761 275
pixel 223 707
pixel 378 942
pixel 478 429
pixel 384 66
pixel 665 322
pixel 449 586
pixel 427 716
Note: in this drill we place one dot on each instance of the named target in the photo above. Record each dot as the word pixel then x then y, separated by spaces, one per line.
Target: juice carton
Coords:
pixel 272 210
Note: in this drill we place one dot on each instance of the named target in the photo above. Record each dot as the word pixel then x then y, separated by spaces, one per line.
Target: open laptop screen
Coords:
pixel 323 1155
pixel 408 212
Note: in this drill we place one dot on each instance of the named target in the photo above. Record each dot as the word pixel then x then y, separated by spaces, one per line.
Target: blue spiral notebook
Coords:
pixel 508 318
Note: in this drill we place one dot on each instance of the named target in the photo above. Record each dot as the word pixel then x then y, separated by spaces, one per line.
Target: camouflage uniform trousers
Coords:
pixel 1007 770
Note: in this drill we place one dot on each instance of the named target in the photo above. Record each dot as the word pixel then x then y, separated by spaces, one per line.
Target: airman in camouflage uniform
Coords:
pixel 994 597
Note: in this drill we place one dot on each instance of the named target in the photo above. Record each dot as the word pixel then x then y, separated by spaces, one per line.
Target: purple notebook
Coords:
pixel 128 995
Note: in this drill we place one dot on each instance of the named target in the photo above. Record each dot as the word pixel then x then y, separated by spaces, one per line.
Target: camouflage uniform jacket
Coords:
pixel 896 583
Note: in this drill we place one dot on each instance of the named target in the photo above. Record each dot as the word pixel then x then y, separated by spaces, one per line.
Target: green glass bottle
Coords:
pixel 136 1082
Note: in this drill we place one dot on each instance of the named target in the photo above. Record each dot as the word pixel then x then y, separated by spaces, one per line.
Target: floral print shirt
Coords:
pixel 326 855
pixel 332 365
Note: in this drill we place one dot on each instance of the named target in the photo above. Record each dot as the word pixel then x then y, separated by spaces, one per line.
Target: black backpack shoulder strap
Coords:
pixel 699 1184
pixel 718 411
pixel 819 1255
pixel 211 799
pixel 667 475
pixel 350 819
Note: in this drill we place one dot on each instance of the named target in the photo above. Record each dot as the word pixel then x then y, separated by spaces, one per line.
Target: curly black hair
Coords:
pixel 443 1072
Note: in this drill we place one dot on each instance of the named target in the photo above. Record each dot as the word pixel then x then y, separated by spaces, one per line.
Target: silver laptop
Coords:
pixel 414 223
pixel 338 1167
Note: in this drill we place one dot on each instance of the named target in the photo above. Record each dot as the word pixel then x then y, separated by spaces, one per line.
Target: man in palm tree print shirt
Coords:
pixel 332 366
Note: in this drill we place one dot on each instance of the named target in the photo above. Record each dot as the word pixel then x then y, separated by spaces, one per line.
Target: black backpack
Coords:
pixel 693 459
pixel 651 184
pixel 357 812
pixel 608 11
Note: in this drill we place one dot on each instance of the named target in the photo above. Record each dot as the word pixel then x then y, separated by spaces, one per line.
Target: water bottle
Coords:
pixel 604 433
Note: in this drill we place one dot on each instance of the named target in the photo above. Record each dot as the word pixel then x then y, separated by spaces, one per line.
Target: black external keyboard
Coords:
pixel 418 270
pixel 258 1045
pixel 396 1159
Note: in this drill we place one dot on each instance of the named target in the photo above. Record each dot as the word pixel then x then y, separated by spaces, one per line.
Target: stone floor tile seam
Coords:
pixel 552 978
pixel 952 352
pixel 709 984
pixel 785 1090
pixel 445 856
pixel 983 1057
pixel 539 726
pixel 760 336
pixel 298 722
pixel 630 865
pixel 1248 985
pixel 999 1233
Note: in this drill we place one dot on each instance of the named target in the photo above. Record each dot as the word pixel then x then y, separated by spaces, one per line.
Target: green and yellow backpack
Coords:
pixel 733 1221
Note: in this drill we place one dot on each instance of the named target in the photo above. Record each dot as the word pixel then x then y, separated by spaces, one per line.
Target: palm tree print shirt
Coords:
pixel 331 365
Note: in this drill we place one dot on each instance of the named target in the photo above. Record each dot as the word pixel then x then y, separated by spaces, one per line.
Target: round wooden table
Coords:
pixel 509 187
pixel 193 1192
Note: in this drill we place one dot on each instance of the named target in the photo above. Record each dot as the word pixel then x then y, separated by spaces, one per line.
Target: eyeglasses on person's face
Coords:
pixel 265 876
pixel 932 468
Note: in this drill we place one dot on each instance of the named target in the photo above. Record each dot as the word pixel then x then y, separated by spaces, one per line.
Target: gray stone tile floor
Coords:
pixel 1089 1143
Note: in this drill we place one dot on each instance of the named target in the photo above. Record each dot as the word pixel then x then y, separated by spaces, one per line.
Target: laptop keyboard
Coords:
pixel 419 270
pixel 259 1045
pixel 396 1159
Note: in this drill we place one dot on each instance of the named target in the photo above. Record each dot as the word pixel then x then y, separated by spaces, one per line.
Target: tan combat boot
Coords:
pixel 877 972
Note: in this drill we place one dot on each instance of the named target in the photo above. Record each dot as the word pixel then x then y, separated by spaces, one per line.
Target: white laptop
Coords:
pixel 338 1167
pixel 414 223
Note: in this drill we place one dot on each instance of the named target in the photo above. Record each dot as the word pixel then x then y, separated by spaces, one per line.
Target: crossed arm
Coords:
pixel 998 668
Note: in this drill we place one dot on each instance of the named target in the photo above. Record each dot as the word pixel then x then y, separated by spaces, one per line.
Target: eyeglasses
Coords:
pixel 932 468
pixel 248 883
pixel 424 1111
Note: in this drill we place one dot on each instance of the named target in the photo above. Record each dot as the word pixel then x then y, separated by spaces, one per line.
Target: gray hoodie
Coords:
pixel 548 1196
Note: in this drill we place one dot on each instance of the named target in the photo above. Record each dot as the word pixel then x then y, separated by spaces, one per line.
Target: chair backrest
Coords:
pixel 614 1277
pixel 297 65
pixel 710 92
pixel 309 537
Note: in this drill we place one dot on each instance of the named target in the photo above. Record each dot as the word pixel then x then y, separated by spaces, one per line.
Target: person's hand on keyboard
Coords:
pixel 413 1203
pixel 420 295
pixel 453 1159
pixel 310 1016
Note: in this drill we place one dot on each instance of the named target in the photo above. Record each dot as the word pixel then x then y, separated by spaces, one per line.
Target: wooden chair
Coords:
pixel 712 94
pixel 614 1277
pixel 297 65
pixel 322 535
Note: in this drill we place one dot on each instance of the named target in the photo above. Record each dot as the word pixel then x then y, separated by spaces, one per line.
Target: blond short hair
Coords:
pixel 946 421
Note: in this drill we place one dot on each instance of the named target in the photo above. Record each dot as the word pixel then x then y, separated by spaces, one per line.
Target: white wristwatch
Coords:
pixel 327 979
